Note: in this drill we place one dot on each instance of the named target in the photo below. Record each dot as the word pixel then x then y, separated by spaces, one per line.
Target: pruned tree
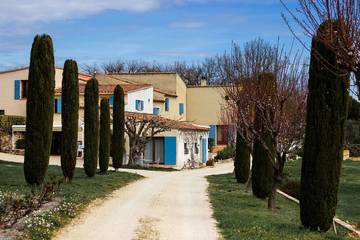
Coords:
pixel 323 148
pixel 91 131
pixel 118 136
pixel 105 135
pixel 39 109
pixel 282 106
pixel 90 69
pixel 69 118
pixel 141 128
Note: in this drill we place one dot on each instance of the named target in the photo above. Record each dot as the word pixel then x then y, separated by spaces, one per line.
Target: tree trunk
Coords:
pixel 271 199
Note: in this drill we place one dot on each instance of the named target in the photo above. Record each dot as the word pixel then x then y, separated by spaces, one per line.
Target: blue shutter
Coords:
pixel 17 84
pixel 167 104
pixel 204 150
pixel 136 104
pixel 156 111
pixel 212 132
pixel 181 108
pixel 59 105
pixel 170 150
pixel 111 100
pixel 141 105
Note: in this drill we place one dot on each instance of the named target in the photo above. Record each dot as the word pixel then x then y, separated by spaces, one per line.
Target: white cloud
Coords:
pixel 31 11
pixel 187 24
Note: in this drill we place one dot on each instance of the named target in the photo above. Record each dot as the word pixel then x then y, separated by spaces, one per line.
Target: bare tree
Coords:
pixel 343 20
pixel 141 128
pixel 90 69
pixel 282 102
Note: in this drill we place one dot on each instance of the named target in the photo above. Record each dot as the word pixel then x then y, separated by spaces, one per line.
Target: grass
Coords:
pixel 242 216
pixel 349 192
pixel 75 195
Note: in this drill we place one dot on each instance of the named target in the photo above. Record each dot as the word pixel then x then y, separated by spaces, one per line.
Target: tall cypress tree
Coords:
pixel 242 160
pixel 91 135
pixel 324 135
pixel 118 127
pixel 262 172
pixel 105 135
pixel 69 118
pixel 39 109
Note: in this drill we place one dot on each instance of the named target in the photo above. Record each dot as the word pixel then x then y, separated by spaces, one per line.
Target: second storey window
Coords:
pixel 156 111
pixel 167 104
pixel 139 105
pixel 21 89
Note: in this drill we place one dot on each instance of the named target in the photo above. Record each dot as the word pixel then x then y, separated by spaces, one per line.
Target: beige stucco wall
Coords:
pixel 170 82
pixel 204 104
pixel 7 98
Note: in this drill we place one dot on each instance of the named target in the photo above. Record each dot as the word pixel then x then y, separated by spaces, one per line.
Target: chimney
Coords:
pixel 203 81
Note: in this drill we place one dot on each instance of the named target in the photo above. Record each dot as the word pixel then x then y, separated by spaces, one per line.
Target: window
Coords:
pixel 111 100
pixel 57 105
pixel 181 108
pixel 24 88
pixel 167 104
pixel 139 105
pixel 2 112
pixel 156 111
pixel 186 149
pixel 196 148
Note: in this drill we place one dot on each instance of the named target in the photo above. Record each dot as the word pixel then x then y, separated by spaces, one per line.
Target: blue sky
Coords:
pixel 94 31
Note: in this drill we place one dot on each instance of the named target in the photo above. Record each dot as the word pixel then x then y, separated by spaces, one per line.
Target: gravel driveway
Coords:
pixel 165 205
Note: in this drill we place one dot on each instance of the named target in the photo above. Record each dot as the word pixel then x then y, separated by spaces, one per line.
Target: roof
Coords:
pixel 173 124
pixel 109 89
pixel 116 78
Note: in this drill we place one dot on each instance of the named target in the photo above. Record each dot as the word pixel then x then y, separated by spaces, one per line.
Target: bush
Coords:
pixel 39 109
pixel 210 163
pixel 6 122
pixel 226 153
pixel 20 143
pixel 291 187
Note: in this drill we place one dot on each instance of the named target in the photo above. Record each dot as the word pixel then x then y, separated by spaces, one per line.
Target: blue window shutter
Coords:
pixel 136 104
pixel 142 105
pixel 212 134
pixel 17 89
pixel 156 111
pixel 111 100
pixel 170 150
pixel 204 150
pixel 181 108
pixel 167 104
pixel 59 105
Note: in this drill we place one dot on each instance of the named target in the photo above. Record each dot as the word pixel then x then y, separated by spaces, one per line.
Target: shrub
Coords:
pixel 69 118
pixel 20 143
pixel 117 142
pixel 242 160
pixel 39 109
pixel 7 121
pixel 91 133
pixel 105 135
pixel 323 146
pixel 210 163
pixel 226 153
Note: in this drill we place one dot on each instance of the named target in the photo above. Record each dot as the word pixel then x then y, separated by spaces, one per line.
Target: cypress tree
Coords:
pixel 324 135
pixel 105 135
pixel 91 135
pixel 242 160
pixel 39 109
pixel 69 118
pixel 118 127
pixel 262 172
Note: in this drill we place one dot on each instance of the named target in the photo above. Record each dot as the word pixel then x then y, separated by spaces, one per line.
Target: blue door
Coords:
pixel 204 150
pixel 170 150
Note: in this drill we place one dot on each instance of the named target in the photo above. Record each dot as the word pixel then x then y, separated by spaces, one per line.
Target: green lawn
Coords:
pixel 242 216
pixel 75 196
pixel 349 192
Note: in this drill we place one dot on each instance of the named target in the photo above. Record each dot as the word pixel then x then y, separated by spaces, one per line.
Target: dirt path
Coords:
pixel 165 205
